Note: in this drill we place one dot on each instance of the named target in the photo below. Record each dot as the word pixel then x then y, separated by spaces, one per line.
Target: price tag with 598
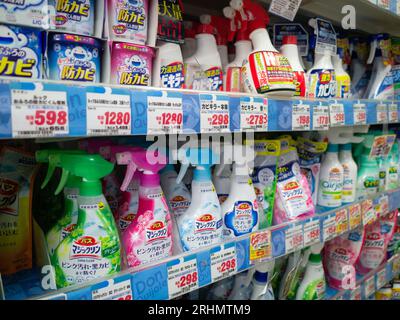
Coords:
pixel 254 115
pixel 108 114
pixel 321 118
pixel 223 263
pixel 360 114
pixel 337 115
pixel 182 278
pixel 214 115
pixel 164 115
pixel 39 113
pixel 301 118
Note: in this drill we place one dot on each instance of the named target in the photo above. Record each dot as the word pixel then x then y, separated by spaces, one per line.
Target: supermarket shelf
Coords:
pixel 48 109
pixel 370 283
pixel 168 279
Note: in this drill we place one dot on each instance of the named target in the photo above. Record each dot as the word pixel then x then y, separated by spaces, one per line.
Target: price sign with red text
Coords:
pixel 354 216
pixel 39 113
pixel 254 114
pixel 329 227
pixel 368 212
pixel 321 118
pixel 114 291
pixel 214 114
pixel 342 221
pixel 337 116
pixel 393 113
pixel 369 287
pixel 164 115
pixel 301 117
pixel 294 239
pixel 223 263
pixel 260 246
pixel 381 278
pixel 182 278
pixel 108 114
pixel 360 114
pixel 382 113
pixel 312 232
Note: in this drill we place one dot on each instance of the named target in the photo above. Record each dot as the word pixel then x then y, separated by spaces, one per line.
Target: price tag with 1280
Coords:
pixel 164 115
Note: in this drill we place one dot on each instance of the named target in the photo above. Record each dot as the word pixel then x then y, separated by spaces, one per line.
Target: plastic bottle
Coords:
pixel 233 81
pixel 94 244
pixel 149 237
pixel 189 47
pixel 392 166
pixel 313 285
pixel 241 288
pixel 168 68
pixel 261 284
pixel 266 71
pixel 291 51
pixel 360 77
pixel 331 179
pixel 349 174
pixel 240 210
pixel 382 165
pixel 368 178
pixel 343 80
pixel 222 181
pixel 203 70
pixel 288 277
pixel 201 225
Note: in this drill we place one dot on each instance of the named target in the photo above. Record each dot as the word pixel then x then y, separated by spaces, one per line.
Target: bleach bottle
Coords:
pixel 343 80
pixel 201 225
pixel 261 284
pixel 149 237
pixel 94 244
pixel 240 210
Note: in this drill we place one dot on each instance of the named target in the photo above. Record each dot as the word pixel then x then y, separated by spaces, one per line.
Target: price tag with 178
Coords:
pixel 321 117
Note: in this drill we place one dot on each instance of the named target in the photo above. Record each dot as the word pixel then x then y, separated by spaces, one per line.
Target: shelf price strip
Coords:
pixel 342 221
pixel 381 278
pixel 301 118
pixel 381 113
pixel 360 114
pixel 355 294
pixel 164 115
pixel 182 278
pixel 37 113
pixel 260 246
pixel 393 113
pixel 223 263
pixel 254 114
pixel 294 238
pixel 114 291
pixel 108 114
pixel 321 118
pixel 369 286
pixel 368 212
pixel 337 115
pixel 312 232
pixel 354 216
pixel 329 227
pixel 214 114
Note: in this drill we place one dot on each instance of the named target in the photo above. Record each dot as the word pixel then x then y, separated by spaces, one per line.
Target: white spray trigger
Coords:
pixel 372 51
pixel 182 172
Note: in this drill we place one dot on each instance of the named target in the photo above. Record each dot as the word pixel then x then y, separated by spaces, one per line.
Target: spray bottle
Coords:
pixel 343 80
pixel 222 179
pixel 70 217
pixel 359 73
pixel 94 244
pixel 392 167
pixel 201 225
pixel 241 288
pixel 189 47
pixel 261 284
pixel 266 71
pixel 149 236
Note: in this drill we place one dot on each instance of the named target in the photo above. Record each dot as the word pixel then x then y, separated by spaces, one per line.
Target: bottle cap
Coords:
pixel 289 40
pixel 333 148
pixel 190 33
pixel 316 258
pixel 347 147
pixel 205 28
pixel 261 277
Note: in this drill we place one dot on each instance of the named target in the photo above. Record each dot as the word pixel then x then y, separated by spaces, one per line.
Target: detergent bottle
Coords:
pixel 261 284
pixel 368 173
pixel 350 171
pixel 201 225
pixel 70 217
pixel 241 288
pixel 343 80
pixel 149 237
pixel 189 46
pixel 380 85
pixel 266 71
pixel 240 210
pixel 313 285
pixel 392 167
pixel 94 244
pixel 203 70
pixel 290 50
pixel 233 81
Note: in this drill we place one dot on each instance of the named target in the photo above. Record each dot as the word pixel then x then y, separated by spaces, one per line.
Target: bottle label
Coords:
pixel 315 290
pixel 210 79
pixel 373 251
pixel 76 11
pixel 300 83
pixel 234 81
pixel 322 84
pixel 348 193
pixel 331 189
pixel 172 75
pixel 242 219
pixel 393 177
pixel 386 89
pixel 269 71
pixel 179 204
pixel 371 185
pixel 343 86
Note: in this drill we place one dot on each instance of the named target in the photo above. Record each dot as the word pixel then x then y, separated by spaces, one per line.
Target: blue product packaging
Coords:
pixel 74 58
pixel 21 52
pixel 76 16
pixel 32 13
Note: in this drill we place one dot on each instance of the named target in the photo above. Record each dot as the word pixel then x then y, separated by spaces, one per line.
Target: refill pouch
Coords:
pixel 17 169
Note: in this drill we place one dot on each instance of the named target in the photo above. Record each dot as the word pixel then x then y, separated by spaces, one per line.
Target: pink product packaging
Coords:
pixel 131 64
pixel 377 238
pixel 128 20
pixel 341 255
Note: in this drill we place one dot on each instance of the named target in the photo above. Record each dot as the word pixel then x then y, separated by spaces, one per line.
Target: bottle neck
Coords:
pixel 150 180
pixel 243 49
pixel 323 61
pixel 206 45
pixel 261 40
pixel 338 64
pixel 331 156
pixel 202 174
pixel 291 51
pixel 91 188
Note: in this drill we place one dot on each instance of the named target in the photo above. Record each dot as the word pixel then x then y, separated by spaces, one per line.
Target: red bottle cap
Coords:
pixel 205 28
pixel 289 40
pixel 242 35
pixel 190 33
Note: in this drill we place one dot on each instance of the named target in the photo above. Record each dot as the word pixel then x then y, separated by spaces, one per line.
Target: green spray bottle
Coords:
pixel 68 221
pixel 93 249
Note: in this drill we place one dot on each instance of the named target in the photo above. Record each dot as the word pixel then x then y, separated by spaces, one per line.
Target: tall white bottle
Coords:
pixel 189 46
pixel 342 78
pixel 321 77
pixel 350 170
pixel 261 284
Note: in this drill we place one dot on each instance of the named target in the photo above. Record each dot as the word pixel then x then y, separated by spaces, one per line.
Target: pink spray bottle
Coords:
pixel 149 237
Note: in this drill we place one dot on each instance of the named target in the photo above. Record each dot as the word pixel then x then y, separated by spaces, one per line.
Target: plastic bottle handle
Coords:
pixel 63 181
pixel 182 173
pixel 49 174
pixel 372 51
pixel 129 175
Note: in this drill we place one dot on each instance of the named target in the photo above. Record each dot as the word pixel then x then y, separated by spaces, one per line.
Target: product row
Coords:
pixel 312 60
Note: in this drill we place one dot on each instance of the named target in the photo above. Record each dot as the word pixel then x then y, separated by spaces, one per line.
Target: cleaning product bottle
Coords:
pixel 349 174
pixel 233 81
pixel 261 284
pixel 241 288
pixel 240 210
pixel 201 225
pixel 392 167
pixel 380 85
pixel 287 279
pixel 313 285
pixel 368 178
pixel 168 68
pixel 266 71
pixel 343 80
pixel 94 244
pixel 331 179
pixel 178 198
pixel 359 78
pixel 189 47
pixel 149 237
pixel 203 70
pixel 222 181
pixel 290 50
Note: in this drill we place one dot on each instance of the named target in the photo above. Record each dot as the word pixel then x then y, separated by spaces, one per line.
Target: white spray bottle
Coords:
pixel 343 80
pixel 261 284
